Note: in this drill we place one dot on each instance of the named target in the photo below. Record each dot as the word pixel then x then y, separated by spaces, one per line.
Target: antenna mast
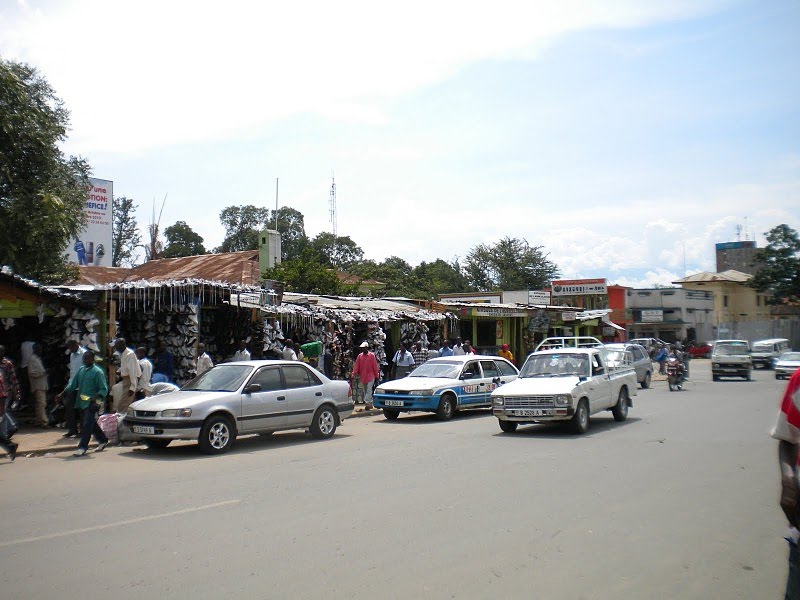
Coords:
pixel 332 206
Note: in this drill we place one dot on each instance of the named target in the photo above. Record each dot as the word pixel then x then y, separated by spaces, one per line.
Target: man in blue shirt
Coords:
pixel 446 350
pixel 165 363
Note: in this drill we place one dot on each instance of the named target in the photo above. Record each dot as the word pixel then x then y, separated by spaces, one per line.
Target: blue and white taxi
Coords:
pixel 445 385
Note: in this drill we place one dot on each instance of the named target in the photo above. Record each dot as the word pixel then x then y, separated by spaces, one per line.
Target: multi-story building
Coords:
pixel 671 314
pixel 737 256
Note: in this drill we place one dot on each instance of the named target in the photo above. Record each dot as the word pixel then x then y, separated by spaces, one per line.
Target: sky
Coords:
pixel 624 137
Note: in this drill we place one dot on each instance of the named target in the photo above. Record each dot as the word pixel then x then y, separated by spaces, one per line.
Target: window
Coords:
pixel 489 369
pixel 299 377
pixel 506 368
pixel 472 367
pixel 269 378
pixel 725 301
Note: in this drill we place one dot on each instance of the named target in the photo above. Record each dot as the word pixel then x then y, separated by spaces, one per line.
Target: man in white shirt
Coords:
pixel 129 371
pixel 288 350
pixel 242 353
pixel 143 386
pixel 76 352
pixel 37 375
pixel 457 348
pixel 204 362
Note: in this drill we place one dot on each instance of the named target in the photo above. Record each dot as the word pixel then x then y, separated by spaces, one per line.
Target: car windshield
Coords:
pixel 762 347
pixel 792 356
pixel 731 349
pixel 548 365
pixel 446 369
pixel 222 378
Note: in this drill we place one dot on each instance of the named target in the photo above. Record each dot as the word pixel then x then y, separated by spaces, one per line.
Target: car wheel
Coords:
pixel 507 426
pixel 324 423
pixel 647 379
pixel 217 435
pixel 620 411
pixel 580 422
pixel 156 444
pixel 447 408
pixel 391 414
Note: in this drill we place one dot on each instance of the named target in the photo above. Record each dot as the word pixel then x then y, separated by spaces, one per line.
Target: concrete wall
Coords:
pixel 761 330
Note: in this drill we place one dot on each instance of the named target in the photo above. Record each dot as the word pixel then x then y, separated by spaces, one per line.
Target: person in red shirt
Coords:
pixel 787 431
pixel 367 371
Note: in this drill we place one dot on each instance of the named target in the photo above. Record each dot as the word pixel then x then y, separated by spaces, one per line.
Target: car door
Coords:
pixel 599 385
pixel 304 390
pixel 492 377
pixel 266 408
pixel 473 387
pixel 640 361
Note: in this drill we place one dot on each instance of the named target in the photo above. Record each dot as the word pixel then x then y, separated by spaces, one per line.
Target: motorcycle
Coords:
pixel 675 374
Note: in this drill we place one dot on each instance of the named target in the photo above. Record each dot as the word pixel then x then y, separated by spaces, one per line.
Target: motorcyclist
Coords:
pixel 676 354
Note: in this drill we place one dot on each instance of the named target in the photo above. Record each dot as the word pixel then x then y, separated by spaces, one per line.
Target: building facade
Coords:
pixel 671 314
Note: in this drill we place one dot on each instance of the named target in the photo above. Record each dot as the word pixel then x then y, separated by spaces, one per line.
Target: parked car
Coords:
pixel 766 352
pixel 641 361
pixel 231 399
pixel 730 358
pixel 445 385
pixel 787 364
pixel 701 350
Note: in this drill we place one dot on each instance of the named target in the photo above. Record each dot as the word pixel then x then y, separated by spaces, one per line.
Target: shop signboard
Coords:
pixel 652 315
pixel 492 311
pixel 538 297
pixel 93 247
pixel 579 287
pixel 568 316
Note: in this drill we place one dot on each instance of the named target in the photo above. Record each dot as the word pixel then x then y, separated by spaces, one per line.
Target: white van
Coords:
pixel 766 352
pixel 730 358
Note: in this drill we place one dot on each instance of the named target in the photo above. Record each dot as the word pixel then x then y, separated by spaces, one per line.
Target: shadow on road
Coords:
pixel 248 444
pixel 422 418
pixel 598 425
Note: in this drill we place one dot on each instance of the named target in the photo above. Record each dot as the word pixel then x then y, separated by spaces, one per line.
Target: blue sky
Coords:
pixel 624 137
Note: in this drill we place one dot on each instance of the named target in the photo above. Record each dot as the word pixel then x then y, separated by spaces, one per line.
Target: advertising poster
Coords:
pixel 579 287
pixel 93 245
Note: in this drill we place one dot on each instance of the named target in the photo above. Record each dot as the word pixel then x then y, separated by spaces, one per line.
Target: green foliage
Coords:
pixel 510 264
pixel 125 232
pixel 291 225
pixel 778 266
pixel 182 240
pixel 394 272
pixel 242 226
pixel 306 275
pixel 439 277
pixel 336 251
pixel 42 193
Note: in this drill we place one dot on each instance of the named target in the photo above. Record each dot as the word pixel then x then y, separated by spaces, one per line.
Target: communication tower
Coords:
pixel 332 206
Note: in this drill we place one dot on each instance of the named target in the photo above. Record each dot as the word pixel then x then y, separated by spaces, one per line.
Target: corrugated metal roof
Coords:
pixel 707 276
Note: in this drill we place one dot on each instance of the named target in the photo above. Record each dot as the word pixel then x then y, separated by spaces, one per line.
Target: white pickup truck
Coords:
pixel 567 379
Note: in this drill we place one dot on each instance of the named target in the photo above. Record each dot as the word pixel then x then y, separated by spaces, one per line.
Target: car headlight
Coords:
pixel 177 412
pixel 379 390
pixel 498 401
pixel 421 392
pixel 716 365
pixel 563 399
pixel 131 412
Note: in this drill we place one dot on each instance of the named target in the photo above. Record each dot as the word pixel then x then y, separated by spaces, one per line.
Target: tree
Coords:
pixel 439 277
pixel 510 264
pixel 394 272
pixel 42 193
pixel 125 232
pixel 778 266
pixel 306 275
pixel 291 225
pixel 336 251
pixel 182 241
pixel 243 224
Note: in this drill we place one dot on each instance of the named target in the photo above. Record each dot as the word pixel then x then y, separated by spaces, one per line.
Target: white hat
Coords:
pixel 364 345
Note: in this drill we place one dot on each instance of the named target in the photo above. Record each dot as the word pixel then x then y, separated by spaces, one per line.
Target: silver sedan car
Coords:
pixel 239 398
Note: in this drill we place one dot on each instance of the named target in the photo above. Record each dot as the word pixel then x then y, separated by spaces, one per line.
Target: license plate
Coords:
pixel 144 429
pixel 730 370
pixel 535 412
pixel 393 402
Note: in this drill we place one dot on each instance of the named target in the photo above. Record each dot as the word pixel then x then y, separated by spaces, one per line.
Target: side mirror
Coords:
pixel 252 388
pixel 468 375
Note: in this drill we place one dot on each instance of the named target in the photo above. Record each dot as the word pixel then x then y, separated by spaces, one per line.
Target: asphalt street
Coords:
pixel 680 501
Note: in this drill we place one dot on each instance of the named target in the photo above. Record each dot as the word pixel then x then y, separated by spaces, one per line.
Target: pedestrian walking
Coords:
pixel 5 439
pixel 433 351
pixel 288 350
pixel 403 362
pixel 661 358
pixel 420 354
pixel 9 372
pixel 39 386
pixel 787 432
pixel 91 389
pixel 365 374
pixel 144 383
pixel 327 361
pixel 67 397
pixel 458 349
pixel 446 350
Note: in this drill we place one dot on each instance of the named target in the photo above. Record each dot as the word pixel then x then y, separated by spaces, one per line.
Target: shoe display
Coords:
pixel 101 446
pixel 80 452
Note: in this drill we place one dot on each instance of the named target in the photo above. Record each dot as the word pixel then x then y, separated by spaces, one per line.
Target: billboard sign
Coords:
pixel 538 297
pixel 652 315
pixel 92 247
pixel 579 287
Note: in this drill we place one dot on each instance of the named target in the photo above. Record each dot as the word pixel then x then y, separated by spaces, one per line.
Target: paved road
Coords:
pixel 678 502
